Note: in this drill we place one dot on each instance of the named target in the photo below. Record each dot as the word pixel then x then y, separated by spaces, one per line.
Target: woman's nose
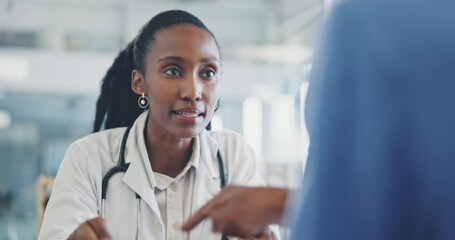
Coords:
pixel 192 89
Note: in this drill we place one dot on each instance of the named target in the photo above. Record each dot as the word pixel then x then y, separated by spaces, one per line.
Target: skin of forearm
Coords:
pixel 276 204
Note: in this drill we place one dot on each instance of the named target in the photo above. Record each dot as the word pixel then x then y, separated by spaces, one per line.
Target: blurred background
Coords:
pixel 53 54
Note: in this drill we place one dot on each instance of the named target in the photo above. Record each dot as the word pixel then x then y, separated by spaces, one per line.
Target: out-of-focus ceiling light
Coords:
pixel 13 68
pixel 5 119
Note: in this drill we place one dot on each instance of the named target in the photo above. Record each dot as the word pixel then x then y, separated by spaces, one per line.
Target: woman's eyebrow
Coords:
pixel 172 58
pixel 181 60
pixel 209 59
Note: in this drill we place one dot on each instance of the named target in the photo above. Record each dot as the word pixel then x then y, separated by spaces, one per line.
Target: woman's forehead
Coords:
pixel 184 40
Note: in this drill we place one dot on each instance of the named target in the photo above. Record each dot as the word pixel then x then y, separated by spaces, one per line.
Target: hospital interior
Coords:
pixel 53 54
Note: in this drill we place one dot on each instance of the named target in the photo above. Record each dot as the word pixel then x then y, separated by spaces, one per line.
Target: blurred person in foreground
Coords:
pixel 382 131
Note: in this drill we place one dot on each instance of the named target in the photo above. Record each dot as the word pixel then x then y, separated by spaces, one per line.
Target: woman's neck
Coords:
pixel 167 155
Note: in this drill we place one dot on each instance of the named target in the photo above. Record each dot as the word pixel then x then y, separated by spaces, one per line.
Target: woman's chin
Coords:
pixel 188 132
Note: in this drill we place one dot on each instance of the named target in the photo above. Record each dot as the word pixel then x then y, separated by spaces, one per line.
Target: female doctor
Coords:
pixel 168 164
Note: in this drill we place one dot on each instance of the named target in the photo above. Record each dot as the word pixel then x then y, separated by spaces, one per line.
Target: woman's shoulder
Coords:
pixel 101 139
pixel 238 157
pixel 226 134
pixel 100 147
pixel 228 138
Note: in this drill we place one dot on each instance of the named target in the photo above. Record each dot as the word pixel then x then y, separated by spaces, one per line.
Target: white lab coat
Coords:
pixel 76 195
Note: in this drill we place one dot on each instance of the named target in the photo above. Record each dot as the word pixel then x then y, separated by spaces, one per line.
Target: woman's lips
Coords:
pixel 188 116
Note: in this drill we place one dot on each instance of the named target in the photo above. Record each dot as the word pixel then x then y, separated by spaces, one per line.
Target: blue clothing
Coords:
pixel 381 118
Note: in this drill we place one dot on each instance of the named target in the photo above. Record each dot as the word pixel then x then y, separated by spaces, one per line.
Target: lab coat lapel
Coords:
pixel 206 182
pixel 136 177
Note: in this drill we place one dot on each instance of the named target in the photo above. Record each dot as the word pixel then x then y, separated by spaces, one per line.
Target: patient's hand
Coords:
pixel 242 211
pixel 91 229
pixel 267 234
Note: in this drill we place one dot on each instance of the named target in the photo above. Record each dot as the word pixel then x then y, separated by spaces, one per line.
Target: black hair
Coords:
pixel 117 104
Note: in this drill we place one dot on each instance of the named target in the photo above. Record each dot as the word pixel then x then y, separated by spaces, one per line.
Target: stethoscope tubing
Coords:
pixel 123 167
pixel 120 167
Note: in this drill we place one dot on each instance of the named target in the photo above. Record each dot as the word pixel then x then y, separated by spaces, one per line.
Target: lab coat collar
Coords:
pixel 135 137
pixel 205 147
pixel 139 176
pixel 208 151
pixel 136 148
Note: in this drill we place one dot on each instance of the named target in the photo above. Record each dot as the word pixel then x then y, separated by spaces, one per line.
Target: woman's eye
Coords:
pixel 173 72
pixel 209 74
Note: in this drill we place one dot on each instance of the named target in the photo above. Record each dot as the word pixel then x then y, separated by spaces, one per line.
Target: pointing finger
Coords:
pixel 202 213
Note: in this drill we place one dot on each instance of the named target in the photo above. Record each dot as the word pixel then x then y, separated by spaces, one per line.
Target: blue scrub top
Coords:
pixel 381 118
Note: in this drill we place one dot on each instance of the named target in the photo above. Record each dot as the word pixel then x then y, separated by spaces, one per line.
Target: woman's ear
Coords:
pixel 138 82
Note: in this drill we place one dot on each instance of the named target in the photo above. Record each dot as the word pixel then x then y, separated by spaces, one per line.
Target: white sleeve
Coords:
pixel 73 199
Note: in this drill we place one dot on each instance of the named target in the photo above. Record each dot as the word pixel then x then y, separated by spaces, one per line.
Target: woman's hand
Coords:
pixel 91 229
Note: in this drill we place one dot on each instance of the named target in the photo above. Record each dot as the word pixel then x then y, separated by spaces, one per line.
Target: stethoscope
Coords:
pixel 122 167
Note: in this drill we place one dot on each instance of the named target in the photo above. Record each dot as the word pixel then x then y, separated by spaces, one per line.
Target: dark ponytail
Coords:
pixel 117 104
